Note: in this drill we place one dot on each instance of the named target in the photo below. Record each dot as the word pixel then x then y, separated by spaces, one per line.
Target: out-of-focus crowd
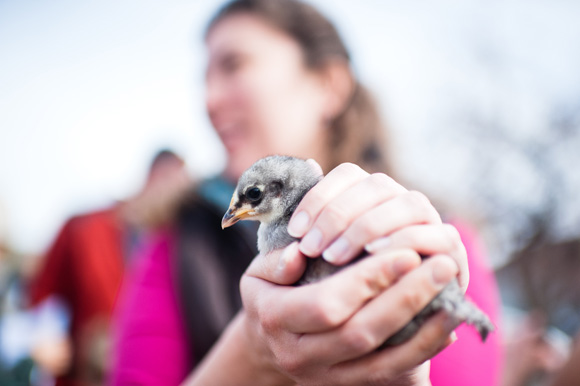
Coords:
pixel 56 309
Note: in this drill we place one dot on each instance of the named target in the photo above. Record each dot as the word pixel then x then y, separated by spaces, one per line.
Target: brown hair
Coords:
pixel 357 133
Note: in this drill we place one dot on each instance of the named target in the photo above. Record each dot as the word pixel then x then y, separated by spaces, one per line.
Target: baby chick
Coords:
pixel 269 192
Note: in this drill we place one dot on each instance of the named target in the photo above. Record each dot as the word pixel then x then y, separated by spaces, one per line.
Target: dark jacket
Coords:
pixel 210 262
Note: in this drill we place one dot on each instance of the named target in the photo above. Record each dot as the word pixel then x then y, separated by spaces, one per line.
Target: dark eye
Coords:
pixel 254 194
pixel 231 63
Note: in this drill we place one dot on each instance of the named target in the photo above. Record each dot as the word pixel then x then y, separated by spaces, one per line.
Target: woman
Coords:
pixel 279 82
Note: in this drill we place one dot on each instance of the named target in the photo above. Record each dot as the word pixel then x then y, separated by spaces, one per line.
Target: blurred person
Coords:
pixel 33 346
pixel 85 265
pixel 279 81
pixel 16 365
pixel 529 354
pixel 542 313
pixel 569 372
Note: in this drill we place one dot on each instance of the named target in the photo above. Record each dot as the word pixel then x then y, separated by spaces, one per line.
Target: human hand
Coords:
pixel 327 333
pixel 351 210
pixel 528 352
pixel 53 355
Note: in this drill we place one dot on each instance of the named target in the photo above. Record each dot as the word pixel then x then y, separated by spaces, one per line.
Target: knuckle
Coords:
pixel 374 279
pixel 380 181
pixel 348 167
pixel 268 322
pixel 422 206
pixel 429 342
pixel 365 228
pixel 406 237
pixel 452 233
pixel 417 198
pixel 288 362
pixel 412 300
pixel 335 215
pixel 358 339
pixel 453 239
pixel 314 196
pixel 424 345
pixel 331 312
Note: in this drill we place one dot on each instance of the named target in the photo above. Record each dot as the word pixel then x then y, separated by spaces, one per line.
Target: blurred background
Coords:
pixel 482 99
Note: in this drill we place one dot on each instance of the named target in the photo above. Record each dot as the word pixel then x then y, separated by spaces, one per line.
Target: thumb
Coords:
pixel 283 267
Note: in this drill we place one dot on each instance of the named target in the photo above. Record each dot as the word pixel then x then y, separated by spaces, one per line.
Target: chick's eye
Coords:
pixel 254 194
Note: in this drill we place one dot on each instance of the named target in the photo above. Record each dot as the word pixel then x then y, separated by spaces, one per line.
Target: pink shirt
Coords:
pixel 151 342
pixel 150 336
pixel 469 361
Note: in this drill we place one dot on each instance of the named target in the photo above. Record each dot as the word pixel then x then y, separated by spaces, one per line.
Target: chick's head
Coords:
pixel 270 189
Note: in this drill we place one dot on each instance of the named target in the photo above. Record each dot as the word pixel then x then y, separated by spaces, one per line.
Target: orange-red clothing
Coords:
pixel 84 267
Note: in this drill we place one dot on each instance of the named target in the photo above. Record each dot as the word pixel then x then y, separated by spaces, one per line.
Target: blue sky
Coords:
pixel 89 90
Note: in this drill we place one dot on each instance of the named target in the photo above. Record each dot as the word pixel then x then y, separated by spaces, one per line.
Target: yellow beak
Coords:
pixel 233 215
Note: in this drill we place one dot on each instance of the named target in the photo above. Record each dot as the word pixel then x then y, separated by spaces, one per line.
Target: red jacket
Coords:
pixel 84 267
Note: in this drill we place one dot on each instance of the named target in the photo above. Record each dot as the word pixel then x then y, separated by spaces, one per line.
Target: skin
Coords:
pixel 529 353
pixel 570 372
pixel 327 332
pixel 259 98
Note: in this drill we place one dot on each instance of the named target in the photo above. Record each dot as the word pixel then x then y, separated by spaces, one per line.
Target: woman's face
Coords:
pixel 261 99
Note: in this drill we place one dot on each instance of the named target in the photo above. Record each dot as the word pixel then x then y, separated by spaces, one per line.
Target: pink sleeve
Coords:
pixel 469 361
pixel 149 335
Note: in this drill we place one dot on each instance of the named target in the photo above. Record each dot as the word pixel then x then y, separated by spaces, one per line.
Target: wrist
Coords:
pixel 240 357
pixel 259 356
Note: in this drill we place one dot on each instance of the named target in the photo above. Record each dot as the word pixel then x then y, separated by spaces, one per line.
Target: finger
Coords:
pixel 339 213
pixel 283 267
pixel 409 208
pixel 339 179
pixel 329 303
pixel 388 364
pixel 382 316
pixel 428 239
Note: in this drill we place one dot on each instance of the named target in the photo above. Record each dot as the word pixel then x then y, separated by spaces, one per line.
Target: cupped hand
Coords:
pixel 327 333
pixel 351 210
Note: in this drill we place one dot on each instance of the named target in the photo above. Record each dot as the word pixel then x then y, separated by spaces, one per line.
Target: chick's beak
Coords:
pixel 233 215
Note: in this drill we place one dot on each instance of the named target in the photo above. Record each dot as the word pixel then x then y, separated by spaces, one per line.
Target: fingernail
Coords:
pixel 444 270
pixel 310 244
pixel 404 264
pixel 299 224
pixel 337 251
pixel 378 244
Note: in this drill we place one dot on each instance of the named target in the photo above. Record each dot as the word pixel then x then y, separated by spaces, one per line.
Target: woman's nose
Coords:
pixel 214 95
